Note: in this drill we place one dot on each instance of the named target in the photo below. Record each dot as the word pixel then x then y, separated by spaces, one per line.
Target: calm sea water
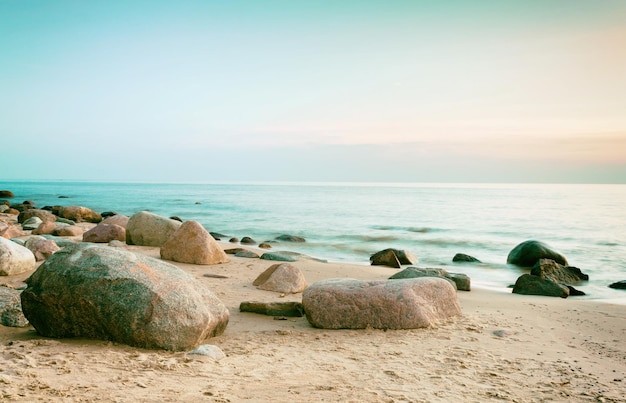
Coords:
pixel 349 222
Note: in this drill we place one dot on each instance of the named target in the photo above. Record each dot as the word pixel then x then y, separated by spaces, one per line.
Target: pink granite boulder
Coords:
pixel 281 277
pixel 41 247
pixel 105 233
pixel 191 243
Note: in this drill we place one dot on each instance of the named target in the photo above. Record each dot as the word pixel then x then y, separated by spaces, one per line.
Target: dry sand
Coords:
pixel 505 347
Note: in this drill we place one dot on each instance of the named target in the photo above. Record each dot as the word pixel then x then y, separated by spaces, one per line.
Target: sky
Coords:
pixel 372 91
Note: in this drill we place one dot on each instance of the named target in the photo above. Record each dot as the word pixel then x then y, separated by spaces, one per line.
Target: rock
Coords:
pixel 3 208
pixel 217 236
pixel 176 218
pixel 61 242
pixel 6 194
pixel 107 214
pixel 380 304
pixel 11 231
pixel 461 281
pixel 528 284
pixel 573 292
pixel 43 215
pixel 148 229
pixel 527 253
pixel 70 230
pixel 191 243
pixel 551 270
pixel 32 223
pixel 92 291
pixel 45 228
pixel 12 211
pixel 233 240
pixel 41 247
pixel 290 238
pixel 386 258
pixel 281 277
pixel 234 251
pixel 277 257
pixel 246 240
pixel 247 254
pixel 11 308
pixel 209 350
pixel 105 233
pixel 117 219
pixel 462 257
pixel 14 258
pixel 79 214
pixel 619 285
pixel 288 308
pixel 265 245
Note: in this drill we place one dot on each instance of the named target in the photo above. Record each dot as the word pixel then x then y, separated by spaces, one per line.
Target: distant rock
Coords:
pixel 551 270
pixel 527 253
pixel 282 277
pixel 105 233
pixel 233 240
pixel 80 214
pixel 386 258
pixel 462 257
pixel 11 308
pixel 148 229
pixel 290 238
pixel 287 308
pixel 99 292
pixel 234 251
pixel 265 245
pixel 380 304
pixel 528 284
pixel 217 236
pixel 177 218
pixel 14 258
pixel 278 257
pixel 191 243
pixel 32 223
pixel 247 254
pixel 619 285
pixel 6 194
pixel 41 247
pixel 246 240
pixel 43 215
pixel 45 228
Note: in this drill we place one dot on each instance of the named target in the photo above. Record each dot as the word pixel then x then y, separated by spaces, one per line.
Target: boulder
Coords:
pixel 44 215
pixel 105 233
pixel 117 219
pixel 385 258
pixel 265 245
pixel 551 270
pixel 217 235
pixel 11 231
pixel 69 230
pixel 6 194
pixel 527 253
pixel 528 284
pixel 41 247
pixel 288 308
pixel 12 211
pixel 281 277
pixel 79 214
pixel 99 292
pixel 619 285
pixel 191 243
pixel 280 257
pixel 290 238
pixel 148 229
pixel 461 281
pixel 14 258
pixel 380 304
pixel 247 253
pixel 11 308
pixel 45 228
pixel 462 257
pixel 246 240
pixel 32 223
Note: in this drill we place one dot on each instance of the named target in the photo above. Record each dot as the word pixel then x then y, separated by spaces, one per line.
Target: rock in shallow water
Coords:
pixel 98 292
pixel 527 253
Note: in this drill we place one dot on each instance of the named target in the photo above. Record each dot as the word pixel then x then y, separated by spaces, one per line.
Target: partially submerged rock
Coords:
pixel 528 284
pixel 528 253
pixel 98 292
pixel 380 304
pixel 393 258
pixel 551 270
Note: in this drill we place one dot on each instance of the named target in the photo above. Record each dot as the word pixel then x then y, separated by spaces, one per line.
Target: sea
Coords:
pixel 348 222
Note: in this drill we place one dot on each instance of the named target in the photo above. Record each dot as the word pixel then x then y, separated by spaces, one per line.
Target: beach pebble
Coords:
pixel 6 194
pixel 380 304
pixel 289 308
pixel 14 258
pixel 191 243
pixel 281 277
pixel 149 229
pixel 123 297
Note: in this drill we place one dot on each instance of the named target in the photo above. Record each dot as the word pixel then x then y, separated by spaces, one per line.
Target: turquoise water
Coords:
pixel 348 222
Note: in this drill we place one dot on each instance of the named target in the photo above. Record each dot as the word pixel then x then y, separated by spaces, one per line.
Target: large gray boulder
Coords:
pixel 191 243
pixel 148 229
pixel 380 304
pixel 527 253
pixel 92 291
pixel 11 308
pixel 14 258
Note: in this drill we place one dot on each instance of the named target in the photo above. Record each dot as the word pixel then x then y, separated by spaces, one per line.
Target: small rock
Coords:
pixel 462 257
pixel 209 350
pixel 277 257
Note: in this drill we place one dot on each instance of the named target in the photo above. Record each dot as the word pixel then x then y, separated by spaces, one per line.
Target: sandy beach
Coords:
pixel 504 347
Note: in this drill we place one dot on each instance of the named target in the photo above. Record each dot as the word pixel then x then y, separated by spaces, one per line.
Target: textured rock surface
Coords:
pixel 93 291
pixel 288 308
pixel 148 229
pixel 191 243
pixel 385 257
pixel 282 277
pixel 462 282
pixel 277 256
pixel 528 284
pixel 69 230
pixel 380 304
pixel 14 258
pixel 79 214
pixel 43 215
pixel 117 219
pixel 11 308
pixel 104 233
pixel 528 253
pixel 41 247
pixel 551 270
